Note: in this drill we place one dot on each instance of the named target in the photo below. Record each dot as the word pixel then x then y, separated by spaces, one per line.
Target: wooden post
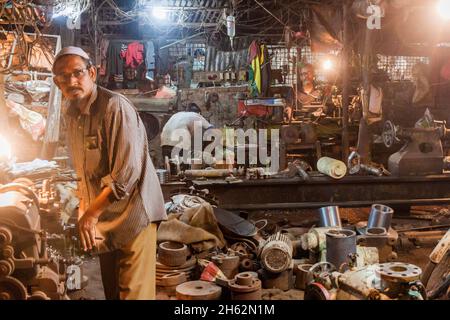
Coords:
pixel 364 139
pixel 346 79
pixel 366 77
pixel 51 136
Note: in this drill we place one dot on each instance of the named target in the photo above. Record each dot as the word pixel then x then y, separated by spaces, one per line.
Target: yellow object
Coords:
pixel 332 167
pixel 256 66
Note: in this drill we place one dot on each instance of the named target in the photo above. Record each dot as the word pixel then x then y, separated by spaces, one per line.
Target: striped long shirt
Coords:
pixel 109 147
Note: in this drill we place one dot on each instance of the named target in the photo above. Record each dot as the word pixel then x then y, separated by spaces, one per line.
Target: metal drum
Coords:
pixel 341 244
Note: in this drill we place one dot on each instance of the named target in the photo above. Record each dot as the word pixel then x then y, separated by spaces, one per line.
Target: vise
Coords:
pixel 422 154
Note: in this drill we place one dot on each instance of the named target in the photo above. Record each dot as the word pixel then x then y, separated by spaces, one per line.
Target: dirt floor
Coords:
pixel 409 250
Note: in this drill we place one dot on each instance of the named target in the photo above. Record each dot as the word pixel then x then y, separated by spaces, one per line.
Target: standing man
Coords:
pixel 120 196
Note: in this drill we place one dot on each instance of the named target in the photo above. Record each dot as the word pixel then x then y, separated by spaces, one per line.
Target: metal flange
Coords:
pixel 198 290
pixel 245 286
pixel 398 272
pixel 172 279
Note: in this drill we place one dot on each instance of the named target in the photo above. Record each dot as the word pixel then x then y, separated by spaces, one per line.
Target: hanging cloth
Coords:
pixel 134 55
pixel 265 72
pixel 254 59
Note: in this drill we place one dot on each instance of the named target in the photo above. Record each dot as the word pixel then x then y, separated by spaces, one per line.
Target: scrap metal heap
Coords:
pixel 327 262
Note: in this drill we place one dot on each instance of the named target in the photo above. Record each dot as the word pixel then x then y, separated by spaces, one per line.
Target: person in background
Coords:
pixel 179 131
pixel 307 91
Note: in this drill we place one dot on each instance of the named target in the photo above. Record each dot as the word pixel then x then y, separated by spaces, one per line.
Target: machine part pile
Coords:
pixel 29 268
pixel 332 261
pixel 388 281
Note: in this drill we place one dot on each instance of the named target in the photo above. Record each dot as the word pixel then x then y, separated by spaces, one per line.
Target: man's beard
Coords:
pixel 77 102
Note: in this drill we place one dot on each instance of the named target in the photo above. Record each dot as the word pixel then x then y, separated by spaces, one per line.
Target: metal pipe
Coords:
pixel 268 11
pixel 329 217
pixel 425 234
pixel 181 40
pixel 208 173
pixel 380 216
pixel 425 228
pixel 341 244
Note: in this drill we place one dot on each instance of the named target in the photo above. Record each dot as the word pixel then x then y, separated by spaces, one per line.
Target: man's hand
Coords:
pixel 89 218
pixel 86 225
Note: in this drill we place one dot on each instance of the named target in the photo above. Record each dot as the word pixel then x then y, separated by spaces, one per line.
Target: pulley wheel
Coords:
pixel 389 134
pixel 12 289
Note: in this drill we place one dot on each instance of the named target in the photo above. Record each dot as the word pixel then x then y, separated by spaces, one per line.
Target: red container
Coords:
pixel 257 110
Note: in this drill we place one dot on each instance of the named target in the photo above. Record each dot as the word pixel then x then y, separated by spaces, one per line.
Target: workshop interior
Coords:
pixel 329 174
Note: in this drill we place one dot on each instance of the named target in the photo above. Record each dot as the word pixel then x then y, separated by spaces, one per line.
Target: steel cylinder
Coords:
pixel 332 167
pixel 380 217
pixel 329 217
pixel 340 245
pixel 301 272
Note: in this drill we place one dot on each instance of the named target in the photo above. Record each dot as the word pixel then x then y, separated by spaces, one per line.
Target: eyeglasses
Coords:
pixel 65 77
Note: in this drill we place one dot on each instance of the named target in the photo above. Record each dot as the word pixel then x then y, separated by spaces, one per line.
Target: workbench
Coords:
pixel 321 190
